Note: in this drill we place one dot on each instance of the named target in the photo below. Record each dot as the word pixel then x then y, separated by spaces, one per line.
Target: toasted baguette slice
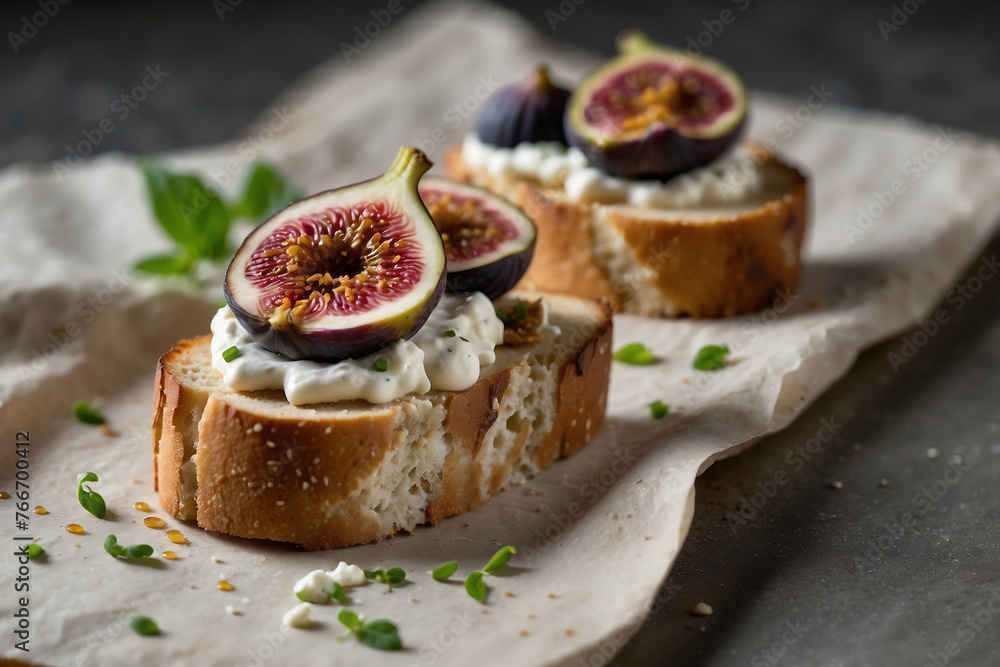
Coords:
pixel 339 474
pixel 697 262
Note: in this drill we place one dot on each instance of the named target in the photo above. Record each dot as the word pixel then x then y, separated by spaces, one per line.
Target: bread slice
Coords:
pixel 712 261
pixel 339 474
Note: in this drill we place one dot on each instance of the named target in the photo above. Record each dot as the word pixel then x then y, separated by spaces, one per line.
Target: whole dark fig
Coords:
pixel 653 112
pixel 488 241
pixel 530 110
pixel 342 273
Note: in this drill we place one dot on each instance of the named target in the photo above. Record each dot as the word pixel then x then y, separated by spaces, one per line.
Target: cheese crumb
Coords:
pixel 348 575
pixel 702 609
pixel 230 609
pixel 315 587
pixel 298 616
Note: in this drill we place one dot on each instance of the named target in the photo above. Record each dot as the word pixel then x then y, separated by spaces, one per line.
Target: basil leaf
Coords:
pixel 499 560
pixel 380 634
pixel 348 618
pixel 635 354
pixel 659 409
pixel 188 211
pixel 111 546
pixel 264 195
pixel 395 575
pixel 711 358
pixel 337 593
pixel 442 572
pixel 90 500
pixel 144 625
pixel 475 586
pixel 88 414
pixel 165 265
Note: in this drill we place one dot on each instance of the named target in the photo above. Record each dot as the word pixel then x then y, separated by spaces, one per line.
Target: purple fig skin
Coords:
pixel 494 280
pixel 332 345
pixel 531 110
pixel 661 154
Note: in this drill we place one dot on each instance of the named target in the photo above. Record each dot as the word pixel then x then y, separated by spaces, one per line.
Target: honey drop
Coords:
pixel 41 510
pixel 170 555
pixel 4 495
pixel 76 529
pixel 176 537
pixel 141 506
pixel 224 586
pixel 153 522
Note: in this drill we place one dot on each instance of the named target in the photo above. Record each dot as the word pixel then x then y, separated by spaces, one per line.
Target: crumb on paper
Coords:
pixel 932 453
pixel 638 481
pixel 615 515
pixel 232 611
pixel 509 594
pixel 702 609
pixel 524 633
pixel 645 537
pixel 836 486
pixel 883 483
pixel 569 632
pixel 245 601
pixel 298 616
pixel 216 559
pixel 532 616
pixel 106 431
pixel 412 599
pixel 551 594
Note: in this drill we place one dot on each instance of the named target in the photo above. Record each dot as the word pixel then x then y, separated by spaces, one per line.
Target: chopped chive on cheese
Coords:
pixel 449 333
pixel 711 358
pixel 635 354
pixel 381 365
pixel 522 310
pixel 659 409
pixel 231 354
pixel 86 413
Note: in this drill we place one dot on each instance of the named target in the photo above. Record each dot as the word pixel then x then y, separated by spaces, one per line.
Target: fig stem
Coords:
pixel 634 41
pixel 410 164
pixel 542 80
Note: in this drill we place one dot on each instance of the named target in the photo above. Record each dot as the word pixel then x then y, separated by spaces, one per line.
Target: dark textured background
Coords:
pixel 815 576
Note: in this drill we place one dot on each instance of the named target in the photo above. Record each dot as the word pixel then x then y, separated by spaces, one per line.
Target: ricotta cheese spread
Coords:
pixel 732 177
pixel 447 353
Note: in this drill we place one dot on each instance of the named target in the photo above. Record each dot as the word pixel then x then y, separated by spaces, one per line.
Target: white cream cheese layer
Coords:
pixel 429 360
pixel 730 178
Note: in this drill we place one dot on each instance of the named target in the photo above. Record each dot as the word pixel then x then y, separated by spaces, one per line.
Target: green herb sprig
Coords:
pixel 379 634
pixel 659 409
pixel 711 358
pixel 475 586
pixel 393 575
pixel 90 500
pixel 33 550
pixel 134 551
pixel 144 625
pixel 87 414
pixel 635 354
pixel 443 572
pixel 197 219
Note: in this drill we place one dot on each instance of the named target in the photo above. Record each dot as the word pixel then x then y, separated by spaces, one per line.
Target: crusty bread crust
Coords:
pixel 736 262
pixel 296 477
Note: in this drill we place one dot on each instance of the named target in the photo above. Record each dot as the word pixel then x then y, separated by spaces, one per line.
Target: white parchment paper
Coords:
pixel 596 534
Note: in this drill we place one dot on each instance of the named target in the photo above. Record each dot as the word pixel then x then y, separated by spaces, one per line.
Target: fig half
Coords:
pixel 342 273
pixel 654 112
pixel 530 110
pixel 488 241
